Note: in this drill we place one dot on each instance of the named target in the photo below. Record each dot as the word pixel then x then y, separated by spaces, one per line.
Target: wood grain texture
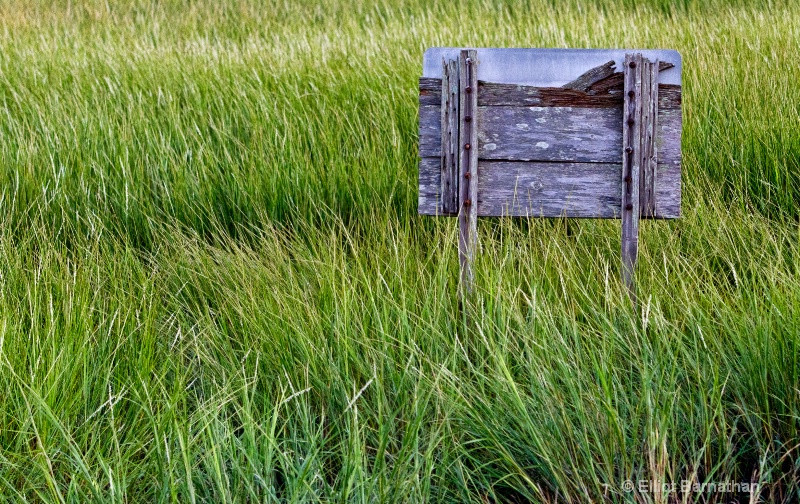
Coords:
pixel 585 81
pixel 571 134
pixel 514 188
pixel 632 132
pixel 604 93
pixel 511 95
pixel 450 137
pixel 429 200
pixel 519 189
pixel 430 91
pixel 430 130
pixel 649 151
pixel 550 134
pixel 468 161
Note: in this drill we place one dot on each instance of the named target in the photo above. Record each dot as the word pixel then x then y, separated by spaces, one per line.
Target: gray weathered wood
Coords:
pixel 532 189
pixel 635 135
pixel 519 188
pixel 449 137
pixel 549 134
pixel 587 79
pixel 649 151
pixel 468 161
pixel 563 129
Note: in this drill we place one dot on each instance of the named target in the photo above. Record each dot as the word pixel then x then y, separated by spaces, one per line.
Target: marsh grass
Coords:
pixel 215 287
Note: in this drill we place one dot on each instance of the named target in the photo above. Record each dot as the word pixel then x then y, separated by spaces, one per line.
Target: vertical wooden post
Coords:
pixel 468 166
pixel 450 139
pixel 640 112
pixel 647 180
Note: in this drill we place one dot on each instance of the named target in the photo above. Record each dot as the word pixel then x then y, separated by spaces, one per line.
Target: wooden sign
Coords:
pixel 590 133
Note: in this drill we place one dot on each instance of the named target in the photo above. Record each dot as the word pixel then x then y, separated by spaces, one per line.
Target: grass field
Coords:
pixel 214 286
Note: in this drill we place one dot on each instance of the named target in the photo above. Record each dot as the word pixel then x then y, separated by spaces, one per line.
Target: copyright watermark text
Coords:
pixel 689 487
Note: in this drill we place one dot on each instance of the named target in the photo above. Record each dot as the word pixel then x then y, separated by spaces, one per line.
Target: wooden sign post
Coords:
pixel 589 133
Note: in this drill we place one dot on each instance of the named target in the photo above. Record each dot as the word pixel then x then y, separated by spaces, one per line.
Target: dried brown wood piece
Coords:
pixel 512 95
pixel 612 84
pixel 585 81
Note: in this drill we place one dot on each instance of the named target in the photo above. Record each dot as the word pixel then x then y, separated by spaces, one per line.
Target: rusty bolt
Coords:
pixel 466 146
pixel 632 64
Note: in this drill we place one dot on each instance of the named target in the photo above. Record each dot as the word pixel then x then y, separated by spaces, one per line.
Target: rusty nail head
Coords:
pixel 629 207
pixel 631 93
pixel 467 175
pixel 627 179
pixel 467 203
pixel 632 64
pixel 468 118
pixel 469 89
pixel 628 149
pixel 631 121
pixel 467 146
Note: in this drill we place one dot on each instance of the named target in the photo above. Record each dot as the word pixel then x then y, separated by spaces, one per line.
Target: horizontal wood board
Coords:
pixel 537 189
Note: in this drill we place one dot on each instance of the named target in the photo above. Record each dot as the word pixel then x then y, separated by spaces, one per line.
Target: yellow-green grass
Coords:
pixel 214 285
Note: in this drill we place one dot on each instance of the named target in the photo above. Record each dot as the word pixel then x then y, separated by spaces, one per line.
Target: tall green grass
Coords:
pixel 214 285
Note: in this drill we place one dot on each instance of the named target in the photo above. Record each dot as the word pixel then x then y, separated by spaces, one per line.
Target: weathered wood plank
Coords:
pixel 614 83
pixel 649 115
pixel 430 91
pixel 636 96
pixel 430 130
pixel 468 160
pixel 577 135
pixel 449 138
pixel 585 81
pixel 668 137
pixel 429 201
pixel 519 188
pixel 510 95
pixel 514 188
pixel 549 134
pixel 604 93
pixel 598 96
